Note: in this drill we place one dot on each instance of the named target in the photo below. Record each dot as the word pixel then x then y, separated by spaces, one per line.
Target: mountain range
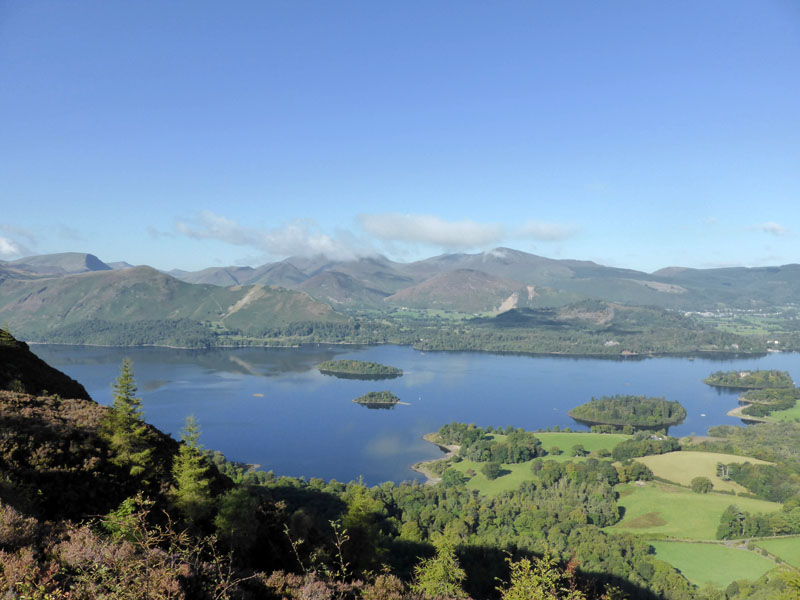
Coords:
pixel 487 282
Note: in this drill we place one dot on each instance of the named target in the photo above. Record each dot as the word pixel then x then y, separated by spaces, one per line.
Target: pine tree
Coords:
pixel 6 339
pixel 124 427
pixel 440 576
pixel 191 493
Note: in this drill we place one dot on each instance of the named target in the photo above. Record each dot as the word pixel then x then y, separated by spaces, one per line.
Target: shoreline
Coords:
pixel 600 356
pixel 737 413
pixel 422 467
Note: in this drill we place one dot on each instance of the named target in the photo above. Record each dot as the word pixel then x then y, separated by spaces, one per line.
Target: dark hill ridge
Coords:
pixel 22 371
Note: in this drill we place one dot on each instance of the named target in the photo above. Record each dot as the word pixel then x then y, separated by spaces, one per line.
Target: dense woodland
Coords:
pixel 636 411
pixel 96 503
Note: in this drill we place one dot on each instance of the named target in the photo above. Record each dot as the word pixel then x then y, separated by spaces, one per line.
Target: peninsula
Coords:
pixel 750 380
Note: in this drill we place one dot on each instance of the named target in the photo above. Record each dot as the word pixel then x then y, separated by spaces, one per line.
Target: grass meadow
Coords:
pixel 682 467
pixel 659 509
pixel 786 548
pixel 713 564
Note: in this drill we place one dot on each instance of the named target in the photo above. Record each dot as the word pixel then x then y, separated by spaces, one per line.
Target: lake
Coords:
pixel 271 407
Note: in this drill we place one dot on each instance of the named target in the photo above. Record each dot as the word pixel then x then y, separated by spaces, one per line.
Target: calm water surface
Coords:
pixel 273 408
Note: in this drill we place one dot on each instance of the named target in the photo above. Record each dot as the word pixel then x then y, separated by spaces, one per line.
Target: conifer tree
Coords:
pixel 124 427
pixel 6 339
pixel 191 493
pixel 440 576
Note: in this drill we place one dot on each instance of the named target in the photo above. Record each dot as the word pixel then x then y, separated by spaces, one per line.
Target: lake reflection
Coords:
pixel 273 408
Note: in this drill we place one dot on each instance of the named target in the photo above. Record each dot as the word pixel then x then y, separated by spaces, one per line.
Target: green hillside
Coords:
pixel 39 309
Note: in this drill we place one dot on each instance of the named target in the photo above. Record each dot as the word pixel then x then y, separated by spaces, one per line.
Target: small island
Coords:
pixel 384 399
pixel 358 369
pixel 750 380
pixel 635 411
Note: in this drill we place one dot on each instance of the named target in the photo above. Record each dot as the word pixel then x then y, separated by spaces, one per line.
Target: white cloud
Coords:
pixel 546 232
pixel 9 248
pixel 772 228
pixel 299 238
pixel 430 229
pixel 10 244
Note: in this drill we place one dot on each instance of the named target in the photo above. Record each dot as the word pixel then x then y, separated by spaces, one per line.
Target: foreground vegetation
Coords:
pixel 96 503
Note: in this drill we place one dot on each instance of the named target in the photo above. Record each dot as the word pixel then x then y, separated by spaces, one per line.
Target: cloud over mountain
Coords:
pixel 299 238
pixel 430 229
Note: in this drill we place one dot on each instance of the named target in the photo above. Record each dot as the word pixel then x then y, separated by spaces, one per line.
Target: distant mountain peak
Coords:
pixel 63 263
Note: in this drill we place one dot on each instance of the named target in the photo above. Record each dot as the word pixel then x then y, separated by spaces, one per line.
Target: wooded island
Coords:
pixel 358 369
pixel 377 399
pixel 636 411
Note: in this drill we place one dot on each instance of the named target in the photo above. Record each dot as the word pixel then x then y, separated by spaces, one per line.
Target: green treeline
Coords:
pixel 483 445
pixel 636 411
pixel 644 444
pixel 182 333
pixel 358 368
pixel 778 483
pixel 736 523
pixel 750 379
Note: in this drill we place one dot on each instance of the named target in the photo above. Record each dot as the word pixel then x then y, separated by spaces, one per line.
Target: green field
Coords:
pixel 790 414
pixel 521 472
pixel 518 473
pixel 659 509
pixel 786 548
pixel 682 467
pixel 713 564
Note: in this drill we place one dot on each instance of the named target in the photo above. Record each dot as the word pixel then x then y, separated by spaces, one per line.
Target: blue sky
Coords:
pixel 194 134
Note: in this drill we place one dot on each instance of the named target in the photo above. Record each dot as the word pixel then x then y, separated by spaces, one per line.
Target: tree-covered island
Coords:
pixel 358 369
pixel 751 380
pixel 636 411
pixel 384 399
